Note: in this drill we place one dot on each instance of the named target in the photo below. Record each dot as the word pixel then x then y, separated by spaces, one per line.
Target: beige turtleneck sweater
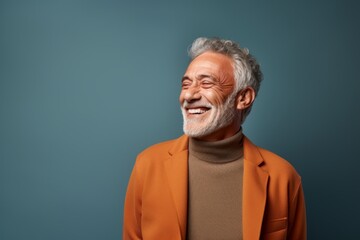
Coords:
pixel 215 189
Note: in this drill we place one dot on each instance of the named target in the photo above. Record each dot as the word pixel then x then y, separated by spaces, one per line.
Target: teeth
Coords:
pixel 196 111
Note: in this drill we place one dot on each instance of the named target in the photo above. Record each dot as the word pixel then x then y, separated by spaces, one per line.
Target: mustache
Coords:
pixel 196 105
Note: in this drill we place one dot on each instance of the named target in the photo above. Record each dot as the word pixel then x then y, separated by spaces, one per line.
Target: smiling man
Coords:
pixel 213 182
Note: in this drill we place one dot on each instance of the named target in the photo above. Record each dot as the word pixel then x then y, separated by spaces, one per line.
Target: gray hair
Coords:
pixel 247 71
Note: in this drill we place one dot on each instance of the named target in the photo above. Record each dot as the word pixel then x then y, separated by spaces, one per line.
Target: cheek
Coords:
pixel 181 97
pixel 215 98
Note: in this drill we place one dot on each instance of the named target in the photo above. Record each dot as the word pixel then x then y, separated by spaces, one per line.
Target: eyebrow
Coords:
pixel 185 78
pixel 199 77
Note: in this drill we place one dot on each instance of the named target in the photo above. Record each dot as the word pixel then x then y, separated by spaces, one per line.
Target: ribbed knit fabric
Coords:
pixel 215 189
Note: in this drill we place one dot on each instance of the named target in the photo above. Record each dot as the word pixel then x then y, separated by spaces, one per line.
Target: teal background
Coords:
pixel 86 85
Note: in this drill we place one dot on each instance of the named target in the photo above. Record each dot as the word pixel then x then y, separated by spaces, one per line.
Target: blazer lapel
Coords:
pixel 177 173
pixel 255 182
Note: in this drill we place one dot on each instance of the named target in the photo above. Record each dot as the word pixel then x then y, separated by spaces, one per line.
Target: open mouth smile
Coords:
pixel 197 111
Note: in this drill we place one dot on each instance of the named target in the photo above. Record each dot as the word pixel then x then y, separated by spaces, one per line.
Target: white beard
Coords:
pixel 220 116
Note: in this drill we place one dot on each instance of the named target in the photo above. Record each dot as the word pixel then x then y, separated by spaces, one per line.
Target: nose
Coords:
pixel 192 94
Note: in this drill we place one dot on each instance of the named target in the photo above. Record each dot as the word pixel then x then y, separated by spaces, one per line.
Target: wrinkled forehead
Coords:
pixel 210 62
pixel 216 66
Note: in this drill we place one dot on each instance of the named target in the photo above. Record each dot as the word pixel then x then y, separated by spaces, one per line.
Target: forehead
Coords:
pixel 215 63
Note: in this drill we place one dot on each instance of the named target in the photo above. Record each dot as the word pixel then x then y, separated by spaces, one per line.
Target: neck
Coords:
pixel 225 150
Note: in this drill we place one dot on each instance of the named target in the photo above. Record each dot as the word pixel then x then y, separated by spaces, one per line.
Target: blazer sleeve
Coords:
pixel 297 216
pixel 132 207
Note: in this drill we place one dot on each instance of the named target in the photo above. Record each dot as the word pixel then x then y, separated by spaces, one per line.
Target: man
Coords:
pixel 212 182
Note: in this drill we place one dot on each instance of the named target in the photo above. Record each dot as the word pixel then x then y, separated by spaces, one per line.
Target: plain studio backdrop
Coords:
pixel 86 85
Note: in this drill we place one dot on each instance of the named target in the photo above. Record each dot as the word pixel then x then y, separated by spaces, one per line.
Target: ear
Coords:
pixel 245 98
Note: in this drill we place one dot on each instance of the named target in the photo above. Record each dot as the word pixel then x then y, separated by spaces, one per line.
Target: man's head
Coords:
pixel 218 88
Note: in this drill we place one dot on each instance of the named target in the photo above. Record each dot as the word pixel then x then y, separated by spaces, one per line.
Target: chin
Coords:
pixel 192 131
pixel 200 131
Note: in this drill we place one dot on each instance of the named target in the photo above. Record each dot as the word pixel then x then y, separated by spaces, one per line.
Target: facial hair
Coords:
pixel 220 116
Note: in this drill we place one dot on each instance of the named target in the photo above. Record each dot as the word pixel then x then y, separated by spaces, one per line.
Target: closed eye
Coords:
pixel 207 84
pixel 185 84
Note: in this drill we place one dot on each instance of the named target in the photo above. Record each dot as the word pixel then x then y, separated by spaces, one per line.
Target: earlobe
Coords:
pixel 245 98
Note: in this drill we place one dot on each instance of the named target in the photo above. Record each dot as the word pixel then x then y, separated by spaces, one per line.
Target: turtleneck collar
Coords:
pixel 226 150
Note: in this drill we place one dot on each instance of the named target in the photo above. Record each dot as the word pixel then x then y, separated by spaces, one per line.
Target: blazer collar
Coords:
pixel 179 145
pixel 177 173
pixel 255 182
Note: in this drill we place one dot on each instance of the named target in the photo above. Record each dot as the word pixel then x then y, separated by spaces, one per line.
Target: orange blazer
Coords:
pixel 157 195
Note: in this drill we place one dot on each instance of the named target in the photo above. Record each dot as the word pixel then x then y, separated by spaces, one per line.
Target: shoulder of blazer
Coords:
pixel 282 175
pixel 163 150
pixel 276 166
